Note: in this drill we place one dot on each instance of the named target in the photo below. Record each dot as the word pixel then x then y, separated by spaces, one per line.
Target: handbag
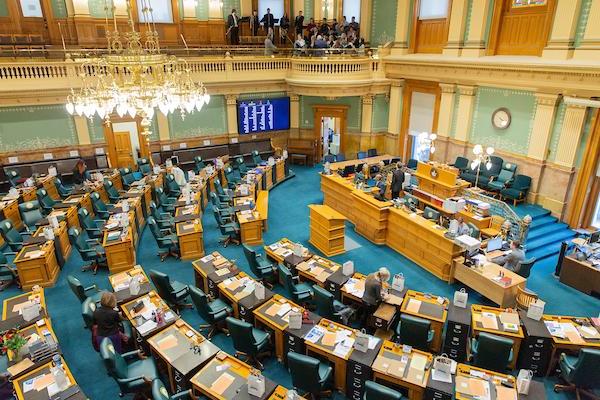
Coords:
pixel 460 298
pixel 398 282
pixel 536 309
pixel 524 381
pixel 256 384
pixel 442 363
pixel 361 341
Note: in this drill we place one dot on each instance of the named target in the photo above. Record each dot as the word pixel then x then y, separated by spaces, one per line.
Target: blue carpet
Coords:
pixel 288 217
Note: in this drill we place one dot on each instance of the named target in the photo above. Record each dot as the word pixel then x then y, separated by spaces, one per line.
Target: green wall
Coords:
pixel 227 6
pixel 202 10
pixel 556 128
pixel 59 8
pixel 587 128
pixel 36 127
pixel 454 113
pixel 97 8
pixel 515 138
pixel 3 8
pixel 584 13
pixel 383 21
pixel 381 111
pixel 211 120
pixel 309 10
pixel 354 111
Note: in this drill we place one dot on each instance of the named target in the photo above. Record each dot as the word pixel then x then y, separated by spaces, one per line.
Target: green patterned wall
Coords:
pixel 584 13
pixel 97 8
pixel 515 138
pixel 381 111
pixel 59 9
pixel 4 8
pixel 468 20
pixel 309 10
pixel 556 128
pixel 354 111
pixel 211 120
pixel 454 114
pixel 36 127
pixel 383 21
pixel 264 95
pixel 96 129
pixel 587 128
pixel 202 10
pixel 228 5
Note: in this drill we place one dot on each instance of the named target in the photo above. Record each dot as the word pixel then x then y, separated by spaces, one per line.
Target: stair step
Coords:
pixel 544 252
pixel 532 210
pixel 547 240
pixel 549 229
pixel 545 220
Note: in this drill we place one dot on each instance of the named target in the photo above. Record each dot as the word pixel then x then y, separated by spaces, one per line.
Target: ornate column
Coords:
pixel 464 117
pixel 589 48
pixel 164 132
pixel 294 111
pixel 232 126
pixel 394 116
pixel 366 7
pixel 367 113
pixel 542 125
pixel 456 31
pixel 571 132
pixel 477 29
pixel 446 109
pixel 560 44
pixel 81 127
pixel 402 28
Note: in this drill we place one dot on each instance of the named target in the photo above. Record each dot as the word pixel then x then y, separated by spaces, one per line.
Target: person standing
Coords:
pixel 270 48
pixel 284 26
pixel 268 21
pixel 233 28
pixel 397 181
pixel 374 291
pixel 108 321
pixel 299 23
pixel 254 23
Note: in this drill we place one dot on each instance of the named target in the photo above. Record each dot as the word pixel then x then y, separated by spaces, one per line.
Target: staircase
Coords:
pixel 545 234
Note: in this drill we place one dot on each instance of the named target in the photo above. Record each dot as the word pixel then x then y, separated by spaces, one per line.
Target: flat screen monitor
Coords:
pixel 263 115
pixel 595 237
pixel 494 244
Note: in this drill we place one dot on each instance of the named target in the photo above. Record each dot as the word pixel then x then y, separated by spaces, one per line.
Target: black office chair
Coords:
pixel 199 164
pixel 580 373
pixel 101 209
pixel 300 292
pixel 165 202
pixel 248 341
pixel 230 231
pixel 372 153
pixel 492 352
pixel 13 238
pixel 224 209
pixel 166 240
pixel 172 186
pixel 376 391
pixel 261 267
pixel 524 267
pixel 82 292
pixel 214 312
pixel 431 213
pixel 30 214
pixel 61 189
pixel 8 273
pixel 160 392
pixel 412 163
pixel 223 196
pixel 173 292
pixel 361 154
pixel 165 221
pixel 327 306
pixel 415 332
pixel 309 374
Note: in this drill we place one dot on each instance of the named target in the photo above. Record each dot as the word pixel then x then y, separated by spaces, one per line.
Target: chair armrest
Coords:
pixel 183 289
pixel 564 360
pixel 27 233
pixel 92 287
pixel 131 380
pixel 131 354
pixel 96 241
pixel 183 395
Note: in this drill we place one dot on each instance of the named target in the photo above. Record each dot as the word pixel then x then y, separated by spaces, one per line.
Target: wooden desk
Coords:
pixel 188 212
pixel 61 238
pixel 368 160
pixel 428 307
pixel 33 394
pixel 180 351
pixel 135 205
pixel 439 179
pixel 81 200
pixel 37 265
pixel 480 222
pixel 327 228
pixel 477 325
pixel 43 330
pixel 483 280
pixel 267 172
pixel 120 252
pixel 191 243
pixel 239 292
pixel 11 308
pixel 406 370
pixel 419 240
pixel 262 207
pixel 251 226
pixel 206 381
pixel 68 214
pixel 581 275
pixel 267 315
pixel 211 270
pixel 280 169
pixel 10 210
pixel 571 343
pixel 121 280
pixel 283 249
pixel 145 196
pixel 47 182
pixel 151 301
pixel 317 270
pixel 469 374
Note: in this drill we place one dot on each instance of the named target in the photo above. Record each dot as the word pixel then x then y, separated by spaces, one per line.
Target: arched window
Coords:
pixel 351 9
pixel 161 11
pixel 31 9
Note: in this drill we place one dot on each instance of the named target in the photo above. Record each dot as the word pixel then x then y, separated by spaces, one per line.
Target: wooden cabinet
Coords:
pixel 120 253
pixel 37 265
pixel 10 211
pixel 191 242
pixel 327 228
pixel 369 216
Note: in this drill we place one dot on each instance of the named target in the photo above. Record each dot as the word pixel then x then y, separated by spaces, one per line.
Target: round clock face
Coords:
pixel 501 118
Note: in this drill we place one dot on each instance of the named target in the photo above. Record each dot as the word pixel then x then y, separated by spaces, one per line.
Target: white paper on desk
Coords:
pixel 373 340
pixel 222 367
pixel 207 258
pixel 342 348
pixel 146 327
pixel 440 376
pixel 479 259
pixel 274 246
pixel 284 309
pixel 169 315
pixel 28 385
pixel 52 389
pixel 314 334
pixel 342 335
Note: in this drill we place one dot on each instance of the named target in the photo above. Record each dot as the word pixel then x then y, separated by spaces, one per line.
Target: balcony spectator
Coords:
pixel 354 25
pixel 254 23
pixel 284 26
pixel 270 48
pixel 268 21
pixel 299 23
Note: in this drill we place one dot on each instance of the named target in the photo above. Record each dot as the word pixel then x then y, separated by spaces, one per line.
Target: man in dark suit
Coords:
pixel 299 23
pixel 233 28
pixel 254 23
pixel 397 181
pixel 268 20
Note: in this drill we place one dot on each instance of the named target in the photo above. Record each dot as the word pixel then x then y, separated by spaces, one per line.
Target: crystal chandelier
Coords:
pixel 134 77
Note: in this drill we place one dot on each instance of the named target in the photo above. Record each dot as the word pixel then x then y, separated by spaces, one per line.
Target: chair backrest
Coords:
pixel 10 234
pixel 199 164
pixel 62 190
pixel 372 152
pixel 461 163
pixel 474 230
pixel 162 283
pixel 521 182
pixel 144 166
pixel 412 163
pixel 524 267
pixel 493 352
pixel 159 391
pixel 323 299
pixel 340 157
pixel 13 176
pixel 305 372
pixel 376 391
pixel 97 204
pixel 586 372
pixel 85 219
pixel 251 258
pixel 288 279
pixel 330 158
pixel 110 189
pixel 361 154
pixel 218 186
pixel 160 195
pixel 115 365
pixel 154 229
pixel 256 159
pixel 78 240
pixel 525 298
pixel 87 312
pixel 241 334
pixel 154 210
pixel 495 167
pixel 172 186
pixel 30 212
pixel 497 221
pixel 431 213
pixel 214 199
pixel 414 331
pixel 44 199
pixel 200 301
pixel 77 288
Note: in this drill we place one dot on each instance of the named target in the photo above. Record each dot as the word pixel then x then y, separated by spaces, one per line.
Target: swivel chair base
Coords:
pixel 225 240
pixel 93 267
pixel 163 255
pixel 213 330
pixel 578 391
pixel 254 360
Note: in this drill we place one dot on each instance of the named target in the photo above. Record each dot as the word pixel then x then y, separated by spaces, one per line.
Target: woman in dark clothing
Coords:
pixel 374 294
pixel 108 320
pixel 79 172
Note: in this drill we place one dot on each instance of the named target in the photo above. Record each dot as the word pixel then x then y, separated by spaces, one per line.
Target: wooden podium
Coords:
pixel 327 229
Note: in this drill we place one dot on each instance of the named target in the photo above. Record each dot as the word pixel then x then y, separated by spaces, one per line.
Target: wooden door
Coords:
pixel 340 112
pixel 521 29
pixel 429 35
pixel 123 151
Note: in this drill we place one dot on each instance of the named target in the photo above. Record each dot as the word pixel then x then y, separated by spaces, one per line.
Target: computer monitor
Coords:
pixel 595 237
pixel 348 169
pixel 494 244
pixel 175 160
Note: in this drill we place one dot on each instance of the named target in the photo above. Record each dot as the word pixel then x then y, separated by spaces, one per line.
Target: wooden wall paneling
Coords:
pixel 431 35
pixel 12 23
pixel 216 31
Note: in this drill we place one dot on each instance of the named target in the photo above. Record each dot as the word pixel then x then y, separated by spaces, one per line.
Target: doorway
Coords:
pixel 125 143
pixel 330 135
pixel 330 129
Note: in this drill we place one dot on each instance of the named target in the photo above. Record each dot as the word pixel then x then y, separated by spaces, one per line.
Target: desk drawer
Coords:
pixel 457 354
pixel 292 343
pixel 356 376
pixel 434 394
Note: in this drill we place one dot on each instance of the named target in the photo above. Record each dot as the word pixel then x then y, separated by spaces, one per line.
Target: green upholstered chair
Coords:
pixel 241 166
pixel 412 163
pixel 13 177
pixel 172 187
pixel 173 292
pixel 491 351
pixel 326 303
pixel 247 340
pixel 101 209
pixel 90 250
pixel 163 201
pixel 8 273
pixel 223 196
pixel 376 391
pixel 144 166
pixel 230 231
pixel 504 178
pixel 581 373
pixel 127 177
pixel 487 174
pixel 93 227
pixel 232 179
pixel 46 202
pixel 431 213
pixel 111 191
pixel 414 331
pixel 256 159
pixel 168 244
pixel 82 292
pixel 461 163
pixel 261 267
pixel 340 157
pixel 164 220
pixel 300 292
pixel 372 153
pixel 224 209
pixel 132 373
pixel 159 392
pixel 518 190
pixel 30 214
pixel 87 312
pixel 329 158
pixel 13 238
pixel 213 312
pixel 524 268
pixel 474 230
pixel 361 154
pixel 61 189
pixel 309 374
pixel 199 164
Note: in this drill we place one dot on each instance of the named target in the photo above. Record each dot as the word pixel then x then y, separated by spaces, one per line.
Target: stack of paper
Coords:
pixel 355 287
pixel 146 327
pixel 343 348
pixel 489 320
pixel 315 334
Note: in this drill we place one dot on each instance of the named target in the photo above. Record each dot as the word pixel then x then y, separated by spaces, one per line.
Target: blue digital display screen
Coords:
pixel 263 115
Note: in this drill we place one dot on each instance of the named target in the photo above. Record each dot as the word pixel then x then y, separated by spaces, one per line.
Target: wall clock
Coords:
pixel 501 118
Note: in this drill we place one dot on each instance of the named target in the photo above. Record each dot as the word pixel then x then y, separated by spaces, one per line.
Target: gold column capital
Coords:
pixel 231 99
pixel 294 96
pixel 466 90
pixel 367 99
pixel 546 99
pixel 397 83
pixel 448 87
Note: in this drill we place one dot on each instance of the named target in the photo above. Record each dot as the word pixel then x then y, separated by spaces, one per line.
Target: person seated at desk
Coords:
pixel 80 172
pixel 374 294
pixel 108 321
pixel 359 176
pixel 380 184
pixel 511 260
pixel 463 228
pixel 178 174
